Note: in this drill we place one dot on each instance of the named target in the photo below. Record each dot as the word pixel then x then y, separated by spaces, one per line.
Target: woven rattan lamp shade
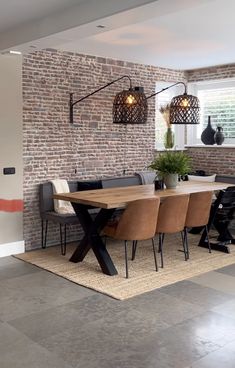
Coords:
pixel 130 107
pixel 184 109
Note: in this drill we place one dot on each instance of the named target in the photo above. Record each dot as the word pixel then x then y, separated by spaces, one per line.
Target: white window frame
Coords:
pixel 193 89
pixel 179 130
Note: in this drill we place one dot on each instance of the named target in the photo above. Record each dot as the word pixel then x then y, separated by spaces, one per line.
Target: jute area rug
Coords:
pixel 142 274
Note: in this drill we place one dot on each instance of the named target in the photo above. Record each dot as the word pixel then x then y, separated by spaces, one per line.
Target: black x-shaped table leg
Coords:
pixel 92 239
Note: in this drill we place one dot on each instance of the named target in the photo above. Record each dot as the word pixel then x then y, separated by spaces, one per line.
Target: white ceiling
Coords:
pixel 16 12
pixel 169 33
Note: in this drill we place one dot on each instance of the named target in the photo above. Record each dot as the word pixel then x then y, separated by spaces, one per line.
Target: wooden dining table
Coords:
pixel 110 199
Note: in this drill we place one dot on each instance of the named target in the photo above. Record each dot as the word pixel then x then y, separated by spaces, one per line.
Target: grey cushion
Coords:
pixel 89 185
pixel 123 181
pixel 225 178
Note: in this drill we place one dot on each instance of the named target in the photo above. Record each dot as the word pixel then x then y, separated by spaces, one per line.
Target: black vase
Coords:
pixel 219 135
pixel 207 136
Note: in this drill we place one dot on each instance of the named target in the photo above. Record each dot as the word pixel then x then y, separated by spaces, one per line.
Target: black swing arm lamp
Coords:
pixel 130 106
pixel 184 109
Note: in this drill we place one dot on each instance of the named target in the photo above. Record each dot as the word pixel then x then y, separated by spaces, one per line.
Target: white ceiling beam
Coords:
pixel 85 12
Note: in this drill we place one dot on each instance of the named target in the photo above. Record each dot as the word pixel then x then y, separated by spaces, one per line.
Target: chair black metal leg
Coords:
pixel 155 256
pixel 63 240
pixel 161 239
pixel 186 241
pixel 44 236
pixel 134 247
pixel 126 260
pixel 183 236
pixel 208 240
pixel 159 248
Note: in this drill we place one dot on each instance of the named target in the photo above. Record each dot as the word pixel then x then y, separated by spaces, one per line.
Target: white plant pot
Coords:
pixel 171 181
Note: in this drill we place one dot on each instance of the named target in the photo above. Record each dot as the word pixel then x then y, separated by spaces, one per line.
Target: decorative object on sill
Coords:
pixel 169 138
pixel 219 135
pixel 129 107
pixel 207 136
pixel 169 165
pixel 184 109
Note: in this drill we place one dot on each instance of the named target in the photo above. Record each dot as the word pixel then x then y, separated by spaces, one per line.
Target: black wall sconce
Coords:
pixel 184 109
pixel 129 106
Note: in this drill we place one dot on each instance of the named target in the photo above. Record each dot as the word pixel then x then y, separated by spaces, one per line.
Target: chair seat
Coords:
pixel 61 218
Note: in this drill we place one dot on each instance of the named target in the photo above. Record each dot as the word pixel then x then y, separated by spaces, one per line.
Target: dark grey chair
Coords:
pixel 47 213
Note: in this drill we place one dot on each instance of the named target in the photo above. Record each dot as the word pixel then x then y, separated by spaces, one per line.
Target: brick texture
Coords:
pixel 212 73
pixel 93 147
pixel 213 160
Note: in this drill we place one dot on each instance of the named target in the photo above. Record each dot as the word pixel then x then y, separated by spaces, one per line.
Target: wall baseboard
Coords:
pixel 9 249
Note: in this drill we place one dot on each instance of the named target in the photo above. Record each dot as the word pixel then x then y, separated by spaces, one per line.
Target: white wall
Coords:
pixel 11 155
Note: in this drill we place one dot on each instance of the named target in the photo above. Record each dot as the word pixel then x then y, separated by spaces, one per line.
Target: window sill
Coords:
pixel 170 149
pixel 210 146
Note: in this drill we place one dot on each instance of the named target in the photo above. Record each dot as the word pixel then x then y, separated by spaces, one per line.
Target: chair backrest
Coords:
pixel 138 221
pixel 226 203
pixel 46 203
pixel 172 214
pixel 198 209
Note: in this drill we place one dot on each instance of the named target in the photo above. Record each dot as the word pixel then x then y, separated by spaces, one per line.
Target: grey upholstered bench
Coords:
pixel 46 204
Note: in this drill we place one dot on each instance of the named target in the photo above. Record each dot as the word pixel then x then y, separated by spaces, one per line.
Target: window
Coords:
pixel 163 99
pixel 217 99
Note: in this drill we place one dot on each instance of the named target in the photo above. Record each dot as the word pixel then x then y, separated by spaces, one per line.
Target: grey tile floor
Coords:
pixel 49 322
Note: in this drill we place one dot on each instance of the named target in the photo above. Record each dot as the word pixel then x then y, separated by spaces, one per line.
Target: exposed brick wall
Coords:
pixel 94 147
pixel 212 73
pixel 213 160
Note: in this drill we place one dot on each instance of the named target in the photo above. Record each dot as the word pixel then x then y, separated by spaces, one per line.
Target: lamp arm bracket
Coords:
pixel 164 89
pixel 72 103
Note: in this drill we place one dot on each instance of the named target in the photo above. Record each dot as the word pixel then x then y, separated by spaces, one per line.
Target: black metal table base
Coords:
pixel 92 239
pixel 220 246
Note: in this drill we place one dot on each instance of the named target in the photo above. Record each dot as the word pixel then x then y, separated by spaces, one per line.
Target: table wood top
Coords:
pixel 121 196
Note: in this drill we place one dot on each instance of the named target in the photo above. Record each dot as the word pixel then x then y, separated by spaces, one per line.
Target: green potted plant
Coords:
pixel 169 165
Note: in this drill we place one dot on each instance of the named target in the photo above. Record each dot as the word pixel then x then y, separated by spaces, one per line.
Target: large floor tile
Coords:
pixel 55 323
pixel 196 294
pixel 183 344
pixel 209 326
pixel 12 269
pixel 74 314
pixel 226 309
pixel 31 293
pixel 17 351
pixel 167 308
pixel 8 260
pixel 222 358
pixel 217 281
pixel 112 313
pixel 102 341
pixel 228 270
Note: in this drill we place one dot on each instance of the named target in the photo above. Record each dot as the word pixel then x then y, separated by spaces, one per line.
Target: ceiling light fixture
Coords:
pixel 15 52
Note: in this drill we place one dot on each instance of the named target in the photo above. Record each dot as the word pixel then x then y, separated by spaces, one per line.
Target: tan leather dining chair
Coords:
pixel 198 213
pixel 138 222
pixel 171 219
